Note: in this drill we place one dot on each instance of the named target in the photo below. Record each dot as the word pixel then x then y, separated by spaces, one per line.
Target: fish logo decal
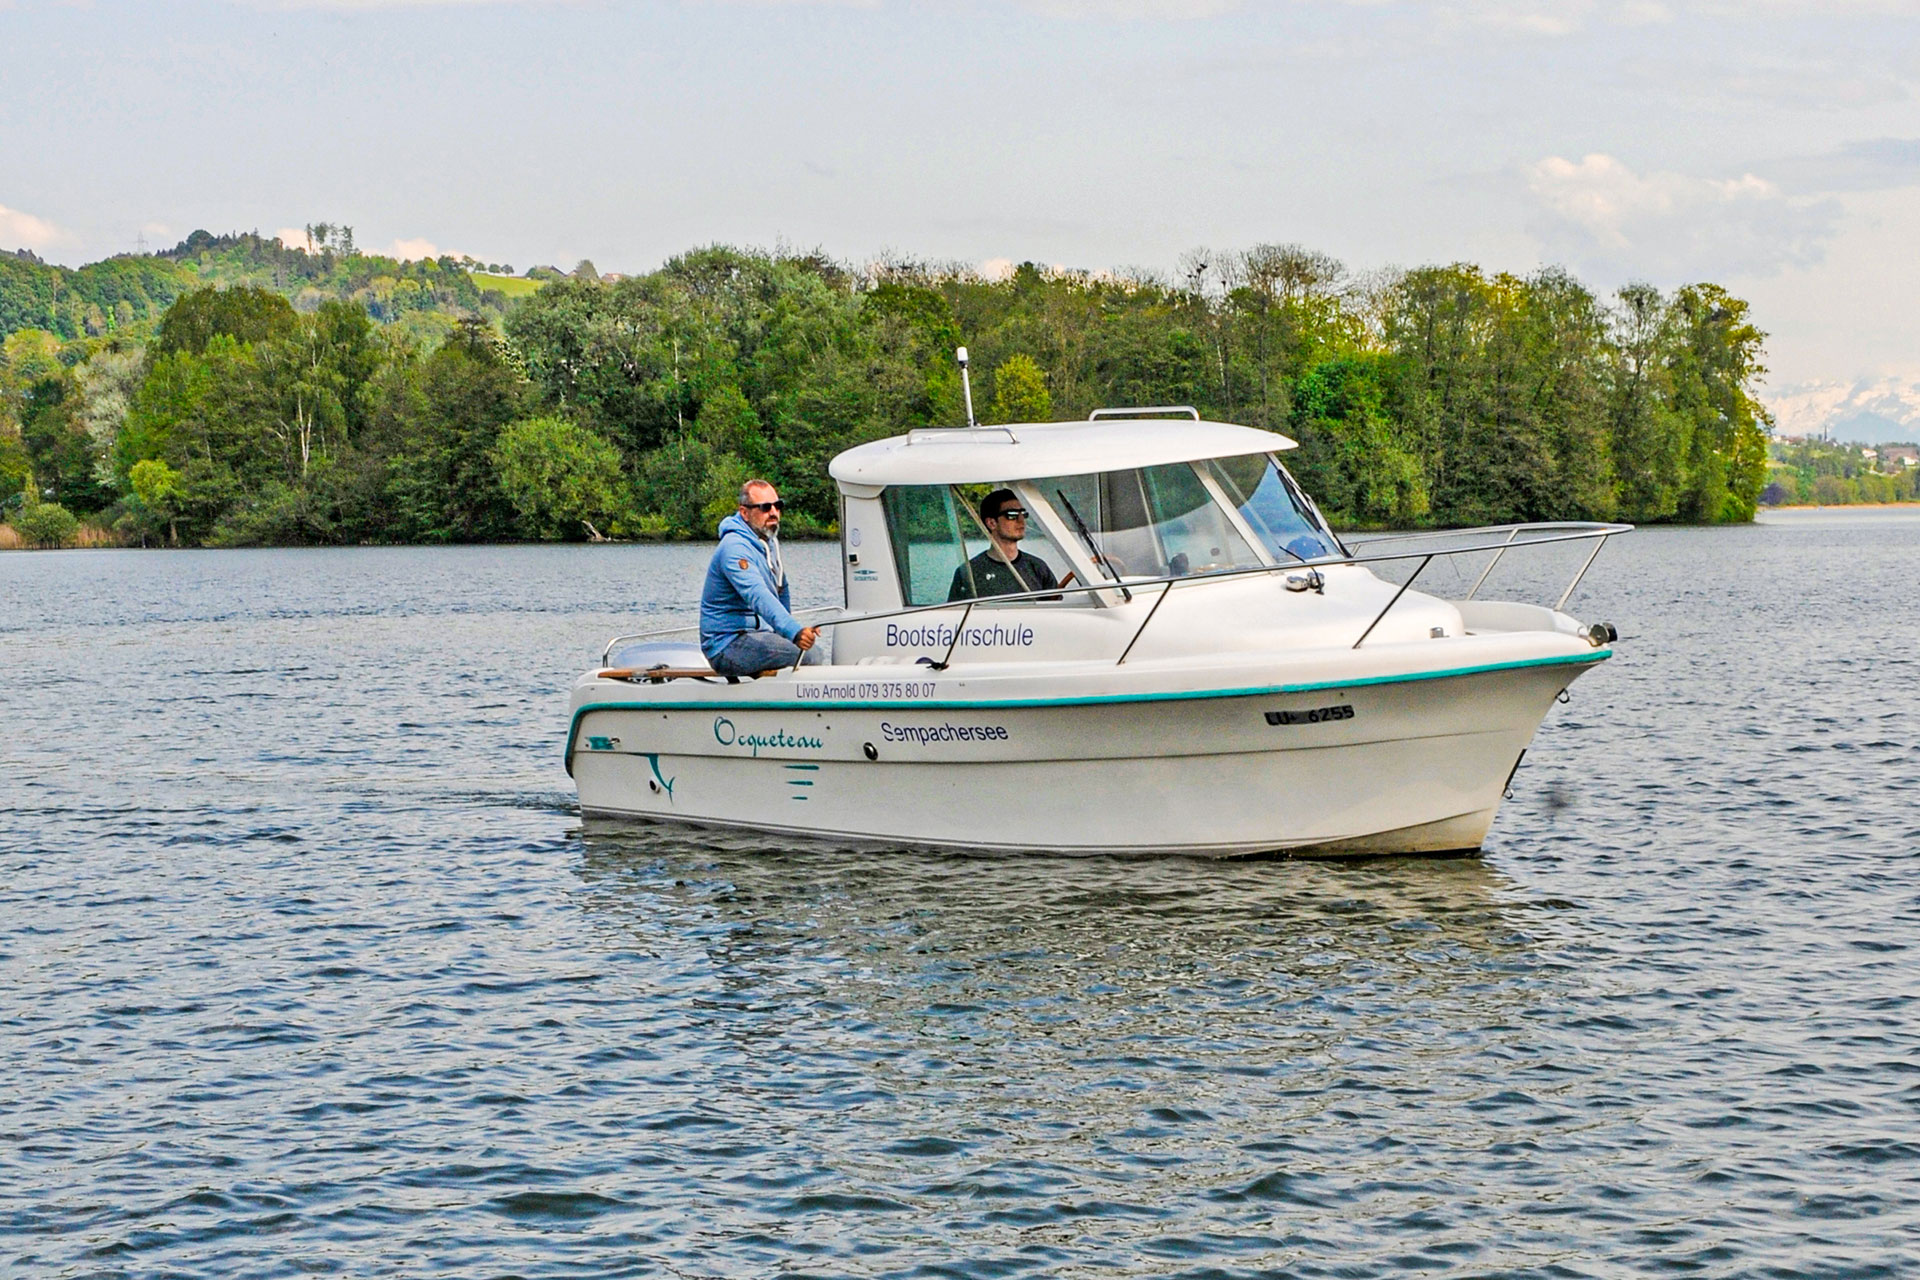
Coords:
pixel 666 784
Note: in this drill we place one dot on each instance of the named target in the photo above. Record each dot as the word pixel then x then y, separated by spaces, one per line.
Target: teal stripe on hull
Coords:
pixel 1096 699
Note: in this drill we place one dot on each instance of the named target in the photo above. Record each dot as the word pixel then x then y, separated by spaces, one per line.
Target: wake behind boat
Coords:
pixel 1200 665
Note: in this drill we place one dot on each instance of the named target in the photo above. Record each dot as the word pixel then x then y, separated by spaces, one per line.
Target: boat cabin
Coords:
pixel 1118 500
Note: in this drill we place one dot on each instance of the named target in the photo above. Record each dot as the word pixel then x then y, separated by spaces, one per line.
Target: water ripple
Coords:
pixel 309 965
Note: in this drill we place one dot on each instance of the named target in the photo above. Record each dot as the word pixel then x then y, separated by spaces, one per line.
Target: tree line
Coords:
pixel 302 408
pixel 1820 472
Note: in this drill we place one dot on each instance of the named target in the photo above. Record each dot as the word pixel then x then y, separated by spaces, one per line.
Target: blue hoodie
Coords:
pixel 745 590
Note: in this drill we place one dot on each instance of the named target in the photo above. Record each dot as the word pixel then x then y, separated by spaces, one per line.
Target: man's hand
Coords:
pixel 806 638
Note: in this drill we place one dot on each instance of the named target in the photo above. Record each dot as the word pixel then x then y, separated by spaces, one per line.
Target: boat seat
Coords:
pixel 654 675
pixel 680 655
pixel 657 661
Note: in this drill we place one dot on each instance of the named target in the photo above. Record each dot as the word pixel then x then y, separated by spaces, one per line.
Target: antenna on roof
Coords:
pixel 966 384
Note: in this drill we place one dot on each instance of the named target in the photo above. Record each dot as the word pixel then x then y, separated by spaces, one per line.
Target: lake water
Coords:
pixel 308 966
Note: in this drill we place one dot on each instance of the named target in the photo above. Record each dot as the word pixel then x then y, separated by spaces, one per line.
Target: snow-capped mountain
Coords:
pixel 1871 411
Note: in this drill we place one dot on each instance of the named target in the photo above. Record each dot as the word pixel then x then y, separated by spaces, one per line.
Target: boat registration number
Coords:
pixel 1319 715
pixel 867 689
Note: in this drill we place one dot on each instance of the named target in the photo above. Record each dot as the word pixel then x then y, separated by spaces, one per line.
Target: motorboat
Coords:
pixel 1211 671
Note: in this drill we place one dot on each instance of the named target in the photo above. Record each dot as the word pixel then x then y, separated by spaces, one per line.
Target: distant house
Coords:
pixel 1895 457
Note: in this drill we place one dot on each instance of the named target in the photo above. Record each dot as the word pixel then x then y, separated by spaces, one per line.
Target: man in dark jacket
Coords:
pixel 1003 569
pixel 746 620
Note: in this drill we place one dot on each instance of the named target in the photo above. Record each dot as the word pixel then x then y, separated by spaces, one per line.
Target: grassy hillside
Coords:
pixel 508 286
pixel 127 294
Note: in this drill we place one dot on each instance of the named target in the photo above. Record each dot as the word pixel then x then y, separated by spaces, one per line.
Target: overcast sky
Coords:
pixel 1772 145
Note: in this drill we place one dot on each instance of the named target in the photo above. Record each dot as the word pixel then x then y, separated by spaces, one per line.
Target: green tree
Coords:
pixel 437 422
pixel 157 491
pixel 166 411
pixel 1020 392
pixel 1349 456
pixel 727 424
pixel 560 478
pixel 107 383
pixel 16 470
pixel 1289 307
pixel 673 486
pixel 245 314
pixel 46 524
pixel 1714 365
pixel 1649 440
pixel 57 444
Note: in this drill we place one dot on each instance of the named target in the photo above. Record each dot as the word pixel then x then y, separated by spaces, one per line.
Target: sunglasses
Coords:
pixel 1009 513
pixel 775 505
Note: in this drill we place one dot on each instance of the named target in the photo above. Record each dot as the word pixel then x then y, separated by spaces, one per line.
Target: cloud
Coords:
pixel 406 250
pixel 1524 17
pixel 1133 10
pixel 353 6
pixel 1122 10
pixel 412 250
pixel 1535 18
pixel 1867 164
pixel 24 231
pixel 1600 215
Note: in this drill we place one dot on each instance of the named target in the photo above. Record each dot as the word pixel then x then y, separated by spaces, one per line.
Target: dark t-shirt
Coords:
pixel 993 577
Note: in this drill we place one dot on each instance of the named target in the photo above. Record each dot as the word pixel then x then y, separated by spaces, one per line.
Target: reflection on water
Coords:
pixel 308 964
pixel 1043 1043
pixel 1121 940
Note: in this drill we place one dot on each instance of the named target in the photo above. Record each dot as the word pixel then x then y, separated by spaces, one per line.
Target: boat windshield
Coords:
pixel 1154 522
pixel 1273 506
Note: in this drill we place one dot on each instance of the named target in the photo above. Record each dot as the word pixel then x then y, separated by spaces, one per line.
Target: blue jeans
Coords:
pixel 751 652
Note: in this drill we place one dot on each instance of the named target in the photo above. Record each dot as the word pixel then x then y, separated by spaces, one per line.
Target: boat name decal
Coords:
pixel 940 636
pixel 727 735
pixel 1319 715
pixel 925 733
pixel 867 689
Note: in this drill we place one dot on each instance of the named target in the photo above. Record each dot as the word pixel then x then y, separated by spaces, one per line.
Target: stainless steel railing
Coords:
pixel 1498 539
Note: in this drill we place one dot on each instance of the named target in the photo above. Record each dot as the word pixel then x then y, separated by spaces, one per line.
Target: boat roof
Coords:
pixel 1024 450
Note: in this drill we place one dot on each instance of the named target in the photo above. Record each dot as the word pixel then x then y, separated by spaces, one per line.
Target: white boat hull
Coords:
pixel 1392 749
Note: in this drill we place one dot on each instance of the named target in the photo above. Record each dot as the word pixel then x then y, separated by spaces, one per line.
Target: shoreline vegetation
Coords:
pixel 235 391
pixel 95 537
pixel 1843 506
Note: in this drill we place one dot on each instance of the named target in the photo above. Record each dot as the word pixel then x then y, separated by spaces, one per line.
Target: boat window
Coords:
pixel 925 530
pixel 1152 522
pixel 1273 506
pixel 1112 507
pixel 936 534
pixel 1194 532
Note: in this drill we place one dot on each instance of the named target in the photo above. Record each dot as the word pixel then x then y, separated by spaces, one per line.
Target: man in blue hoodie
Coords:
pixel 746 620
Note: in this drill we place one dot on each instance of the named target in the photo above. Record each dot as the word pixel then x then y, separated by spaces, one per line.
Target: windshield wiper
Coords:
pixel 1086 536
